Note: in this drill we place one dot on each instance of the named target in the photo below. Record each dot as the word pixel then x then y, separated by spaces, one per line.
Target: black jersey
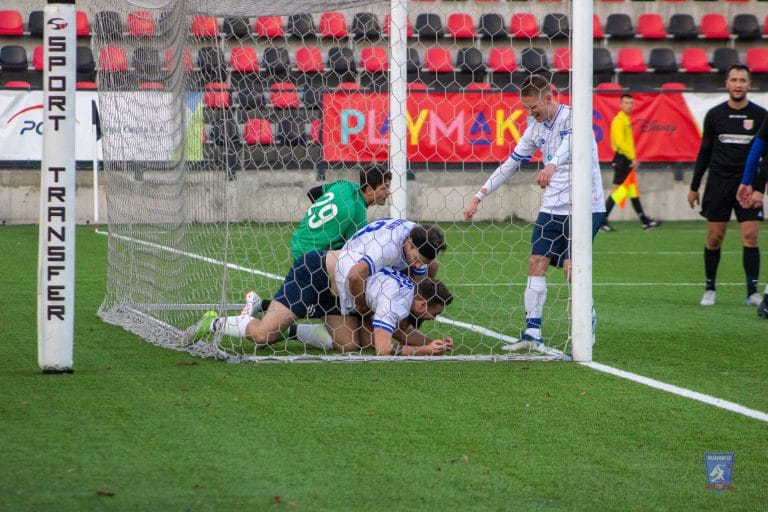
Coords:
pixel 725 142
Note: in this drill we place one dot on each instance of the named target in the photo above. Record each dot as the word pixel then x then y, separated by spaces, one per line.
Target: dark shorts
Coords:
pixel 720 200
pixel 552 233
pixel 306 290
pixel 621 168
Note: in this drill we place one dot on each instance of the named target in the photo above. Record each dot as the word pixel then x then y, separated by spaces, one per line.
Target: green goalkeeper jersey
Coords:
pixel 336 215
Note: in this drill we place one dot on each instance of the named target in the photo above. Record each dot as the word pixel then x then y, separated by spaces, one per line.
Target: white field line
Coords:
pixel 656 384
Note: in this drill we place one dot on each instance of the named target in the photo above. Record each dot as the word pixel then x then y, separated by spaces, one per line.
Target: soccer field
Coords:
pixel 137 427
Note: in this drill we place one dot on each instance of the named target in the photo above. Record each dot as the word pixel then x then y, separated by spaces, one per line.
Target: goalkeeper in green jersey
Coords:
pixel 339 211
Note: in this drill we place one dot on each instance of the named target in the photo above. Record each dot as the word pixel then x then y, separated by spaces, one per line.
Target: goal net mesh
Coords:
pixel 219 116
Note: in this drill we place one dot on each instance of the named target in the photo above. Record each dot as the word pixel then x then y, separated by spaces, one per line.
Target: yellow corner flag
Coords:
pixel 628 189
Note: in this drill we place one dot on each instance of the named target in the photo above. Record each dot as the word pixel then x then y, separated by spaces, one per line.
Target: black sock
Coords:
pixel 639 210
pixel 265 304
pixel 711 261
pixel 609 203
pixel 292 332
pixel 751 260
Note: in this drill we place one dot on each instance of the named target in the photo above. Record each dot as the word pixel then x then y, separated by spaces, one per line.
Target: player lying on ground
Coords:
pixel 309 290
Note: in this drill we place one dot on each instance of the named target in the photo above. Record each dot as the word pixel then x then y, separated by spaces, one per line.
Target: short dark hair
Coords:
pixel 428 240
pixel 433 291
pixel 534 84
pixel 374 177
pixel 738 67
pixel 626 95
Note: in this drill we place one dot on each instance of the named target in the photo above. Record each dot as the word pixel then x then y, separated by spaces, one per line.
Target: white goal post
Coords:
pixel 218 116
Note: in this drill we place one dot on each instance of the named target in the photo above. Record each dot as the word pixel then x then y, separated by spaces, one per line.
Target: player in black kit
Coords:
pixel 728 131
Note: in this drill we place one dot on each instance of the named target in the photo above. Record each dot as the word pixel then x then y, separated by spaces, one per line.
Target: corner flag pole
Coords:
pixel 56 253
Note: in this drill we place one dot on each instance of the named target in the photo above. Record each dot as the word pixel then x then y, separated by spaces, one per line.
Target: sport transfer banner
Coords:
pixel 484 127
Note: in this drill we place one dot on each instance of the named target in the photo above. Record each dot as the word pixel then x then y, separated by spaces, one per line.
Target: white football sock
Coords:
pixel 534 298
pixel 231 325
pixel 314 335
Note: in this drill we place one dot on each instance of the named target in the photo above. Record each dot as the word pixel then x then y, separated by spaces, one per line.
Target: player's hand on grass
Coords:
pixel 471 208
pixel 693 198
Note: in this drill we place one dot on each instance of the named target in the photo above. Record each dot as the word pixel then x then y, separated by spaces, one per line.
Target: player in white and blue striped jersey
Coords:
pixel 548 131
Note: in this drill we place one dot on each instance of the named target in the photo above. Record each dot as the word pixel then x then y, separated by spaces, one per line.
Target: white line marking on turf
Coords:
pixel 670 388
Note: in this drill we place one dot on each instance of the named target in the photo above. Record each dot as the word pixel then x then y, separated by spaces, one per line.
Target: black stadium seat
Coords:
pixel 602 60
pixel 469 62
pixel 107 25
pixel 429 26
pixel 556 26
pixel 365 25
pixel 276 60
pixel 745 27
pixel 301 26
pixel 662 60
pixel 35 23
pixel 723 58
pixel 534 60
pixel 236 27
pixel 682 26
pixel 619 26
pixel 491 26
pixel 13 58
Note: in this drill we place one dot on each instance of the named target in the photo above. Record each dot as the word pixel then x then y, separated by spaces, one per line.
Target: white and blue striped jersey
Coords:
pixel 379 245
pixel 553 139
pixel 389 294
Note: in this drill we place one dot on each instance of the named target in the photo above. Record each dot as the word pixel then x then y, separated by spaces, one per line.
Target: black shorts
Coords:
pixel 306 290
pixel 621 167
pixel 720 200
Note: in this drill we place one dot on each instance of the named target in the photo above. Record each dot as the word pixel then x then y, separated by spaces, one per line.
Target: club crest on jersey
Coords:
pixel 749 124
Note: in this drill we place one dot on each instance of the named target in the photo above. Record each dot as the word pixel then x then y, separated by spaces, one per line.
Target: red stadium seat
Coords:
pixel 151 86
pixel 597 27
pixel 609 87
pixel 417 86
pixel 502 60
pixel 756 59
pixel 460 26
pixel 243 59
pixel 17 84
pixel 309 60
pixel 258 132
pixel 523 26
pixel 204 26
pixel 333 25
pixel 140 24
pixel 83 86
pixel 11 23
pixel 561 60
pixel 714 26
pixel 283 95
pixel 408 28
pixel 83 25
pixel 630 60
pixel 374 59
pixel 314 131
pixel 694 60
pixel 217 95
pixel 269 27
pixel 113 58
pixel 438 59
pixel 170 59
pixel 478 86
pixel 651 26
pixel 673 86
pixel 37 58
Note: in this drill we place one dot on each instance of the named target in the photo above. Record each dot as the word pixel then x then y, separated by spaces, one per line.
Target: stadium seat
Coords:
pixel 243 59
pixel 37 58
pixel 269 27
pixel 365 26
pixel 714 26
pixel 300 26
pixel 13 57
pixel 82 24
pixel 140 24
pixel 630 60
pixel 374 59
pixel 86 86
pixel 151 86
pixel 113 58
pixel 283 95
pixel 460 25
pixel 333 25
pixel 341 61
pixel 315 134
pixel 673 86
pixel 224 131
pixel 107 25
pixel 662 60
pixel 417 86
pixel 723 58
pixel 11 23
pixel 309 60
pixel 289 132
pixel 602 60
pixel 556 26
pixel 408 27
pixel 348 86
pixel 651 26
pixel 204 26
pixel 257 132
pixel 491 26
pixel 479 86
pixel 17 84
pixel 212 63
pixel 523 25
pixel 85 64
pixel 172 59
pixel 414 60
pixel 276 60
pixel 35 23
pixel 745 27
pixel 756 59
pixel 597 28
pixel 236 26
pixel 429 26
pixel 502 60
pixel 694 60
pixel 561 60
pixel 619 26
pixel 437 59
pixel 609 88
pixel 682 26
pixel 534 60
pixel 146 64
pixel 470 60
pixel 217 95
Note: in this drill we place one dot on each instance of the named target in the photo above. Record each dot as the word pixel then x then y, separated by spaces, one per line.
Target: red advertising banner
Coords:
pixel 484 127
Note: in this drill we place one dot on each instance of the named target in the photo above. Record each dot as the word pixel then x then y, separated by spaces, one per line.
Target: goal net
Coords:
pixel 219 116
